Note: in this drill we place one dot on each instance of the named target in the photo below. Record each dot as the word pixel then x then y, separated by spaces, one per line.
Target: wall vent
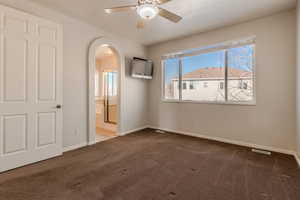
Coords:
pixel 159 131
pixel 261 152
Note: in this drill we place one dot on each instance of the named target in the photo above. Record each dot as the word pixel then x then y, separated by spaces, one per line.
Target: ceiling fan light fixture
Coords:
pixel 147 11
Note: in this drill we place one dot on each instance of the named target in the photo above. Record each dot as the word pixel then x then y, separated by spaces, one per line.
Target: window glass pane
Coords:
pixel 240 73
pixel 171 79
pixel 202 76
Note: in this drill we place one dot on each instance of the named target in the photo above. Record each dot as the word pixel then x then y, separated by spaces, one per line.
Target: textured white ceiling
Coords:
pixel 198 16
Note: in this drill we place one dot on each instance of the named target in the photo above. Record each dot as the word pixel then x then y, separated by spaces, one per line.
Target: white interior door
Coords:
pixel 30 89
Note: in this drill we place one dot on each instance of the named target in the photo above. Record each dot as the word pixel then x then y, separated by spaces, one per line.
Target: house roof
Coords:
pixel 216 73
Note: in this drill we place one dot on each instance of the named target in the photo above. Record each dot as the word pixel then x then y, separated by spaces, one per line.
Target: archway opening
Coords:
pixel 106 92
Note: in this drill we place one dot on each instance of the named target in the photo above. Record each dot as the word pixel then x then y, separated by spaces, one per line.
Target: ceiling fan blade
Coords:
pixel 169 15
pixel 163 1
pixel 120 9
pixel 140 24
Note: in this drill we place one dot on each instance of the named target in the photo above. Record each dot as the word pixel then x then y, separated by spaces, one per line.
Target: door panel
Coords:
pixel 47 33
pixel 14 133
pixel 46 123
pixel 14 68
pixel 47 73
pixel 30 89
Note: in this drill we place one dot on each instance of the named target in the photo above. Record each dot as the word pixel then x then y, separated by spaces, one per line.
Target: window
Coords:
pixel 171 79
pixel 195 68
pixel 221 85
pixel 240 71
pixel 240 84
pixel 184 85
pixel 219 73
pixel 243 85
pixel 192 85
pixel 205 84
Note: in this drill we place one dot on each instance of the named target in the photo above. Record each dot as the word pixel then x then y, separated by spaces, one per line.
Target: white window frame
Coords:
pixel 211 48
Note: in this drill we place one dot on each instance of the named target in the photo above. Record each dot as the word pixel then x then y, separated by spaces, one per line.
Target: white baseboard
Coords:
pixel 77 146
pixel 240 143
pixel 73 147
pixel 92 143
pixel 133 130
pixel 297 158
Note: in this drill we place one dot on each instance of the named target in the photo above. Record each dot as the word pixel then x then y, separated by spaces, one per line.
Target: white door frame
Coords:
pixel 102 41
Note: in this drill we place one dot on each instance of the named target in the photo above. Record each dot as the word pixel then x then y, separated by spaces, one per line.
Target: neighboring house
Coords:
pixel 208 84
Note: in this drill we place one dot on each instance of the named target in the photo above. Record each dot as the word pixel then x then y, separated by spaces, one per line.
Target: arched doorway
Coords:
pixel 106 71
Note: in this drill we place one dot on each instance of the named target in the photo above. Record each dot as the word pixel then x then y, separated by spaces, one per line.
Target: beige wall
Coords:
pixel 77 37
pixel 272 121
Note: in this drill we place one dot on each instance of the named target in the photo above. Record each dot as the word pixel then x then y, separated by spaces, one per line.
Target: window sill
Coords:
pixel 250 103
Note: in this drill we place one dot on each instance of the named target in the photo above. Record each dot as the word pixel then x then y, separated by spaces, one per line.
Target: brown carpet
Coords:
pixel 151 166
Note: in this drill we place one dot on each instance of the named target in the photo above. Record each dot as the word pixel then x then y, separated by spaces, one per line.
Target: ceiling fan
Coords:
pixel 147 10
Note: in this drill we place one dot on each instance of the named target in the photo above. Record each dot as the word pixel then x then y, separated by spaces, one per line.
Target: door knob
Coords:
pixel 58 106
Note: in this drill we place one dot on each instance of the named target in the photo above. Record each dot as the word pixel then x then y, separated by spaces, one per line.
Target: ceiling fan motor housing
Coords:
pixel 147 9
pixel 153 2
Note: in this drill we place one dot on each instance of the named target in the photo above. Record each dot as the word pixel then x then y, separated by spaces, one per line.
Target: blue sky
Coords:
pixel 215 59
pixel 239 58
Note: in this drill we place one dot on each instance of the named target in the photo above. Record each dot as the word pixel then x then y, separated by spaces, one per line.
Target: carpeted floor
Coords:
pixel 151 166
